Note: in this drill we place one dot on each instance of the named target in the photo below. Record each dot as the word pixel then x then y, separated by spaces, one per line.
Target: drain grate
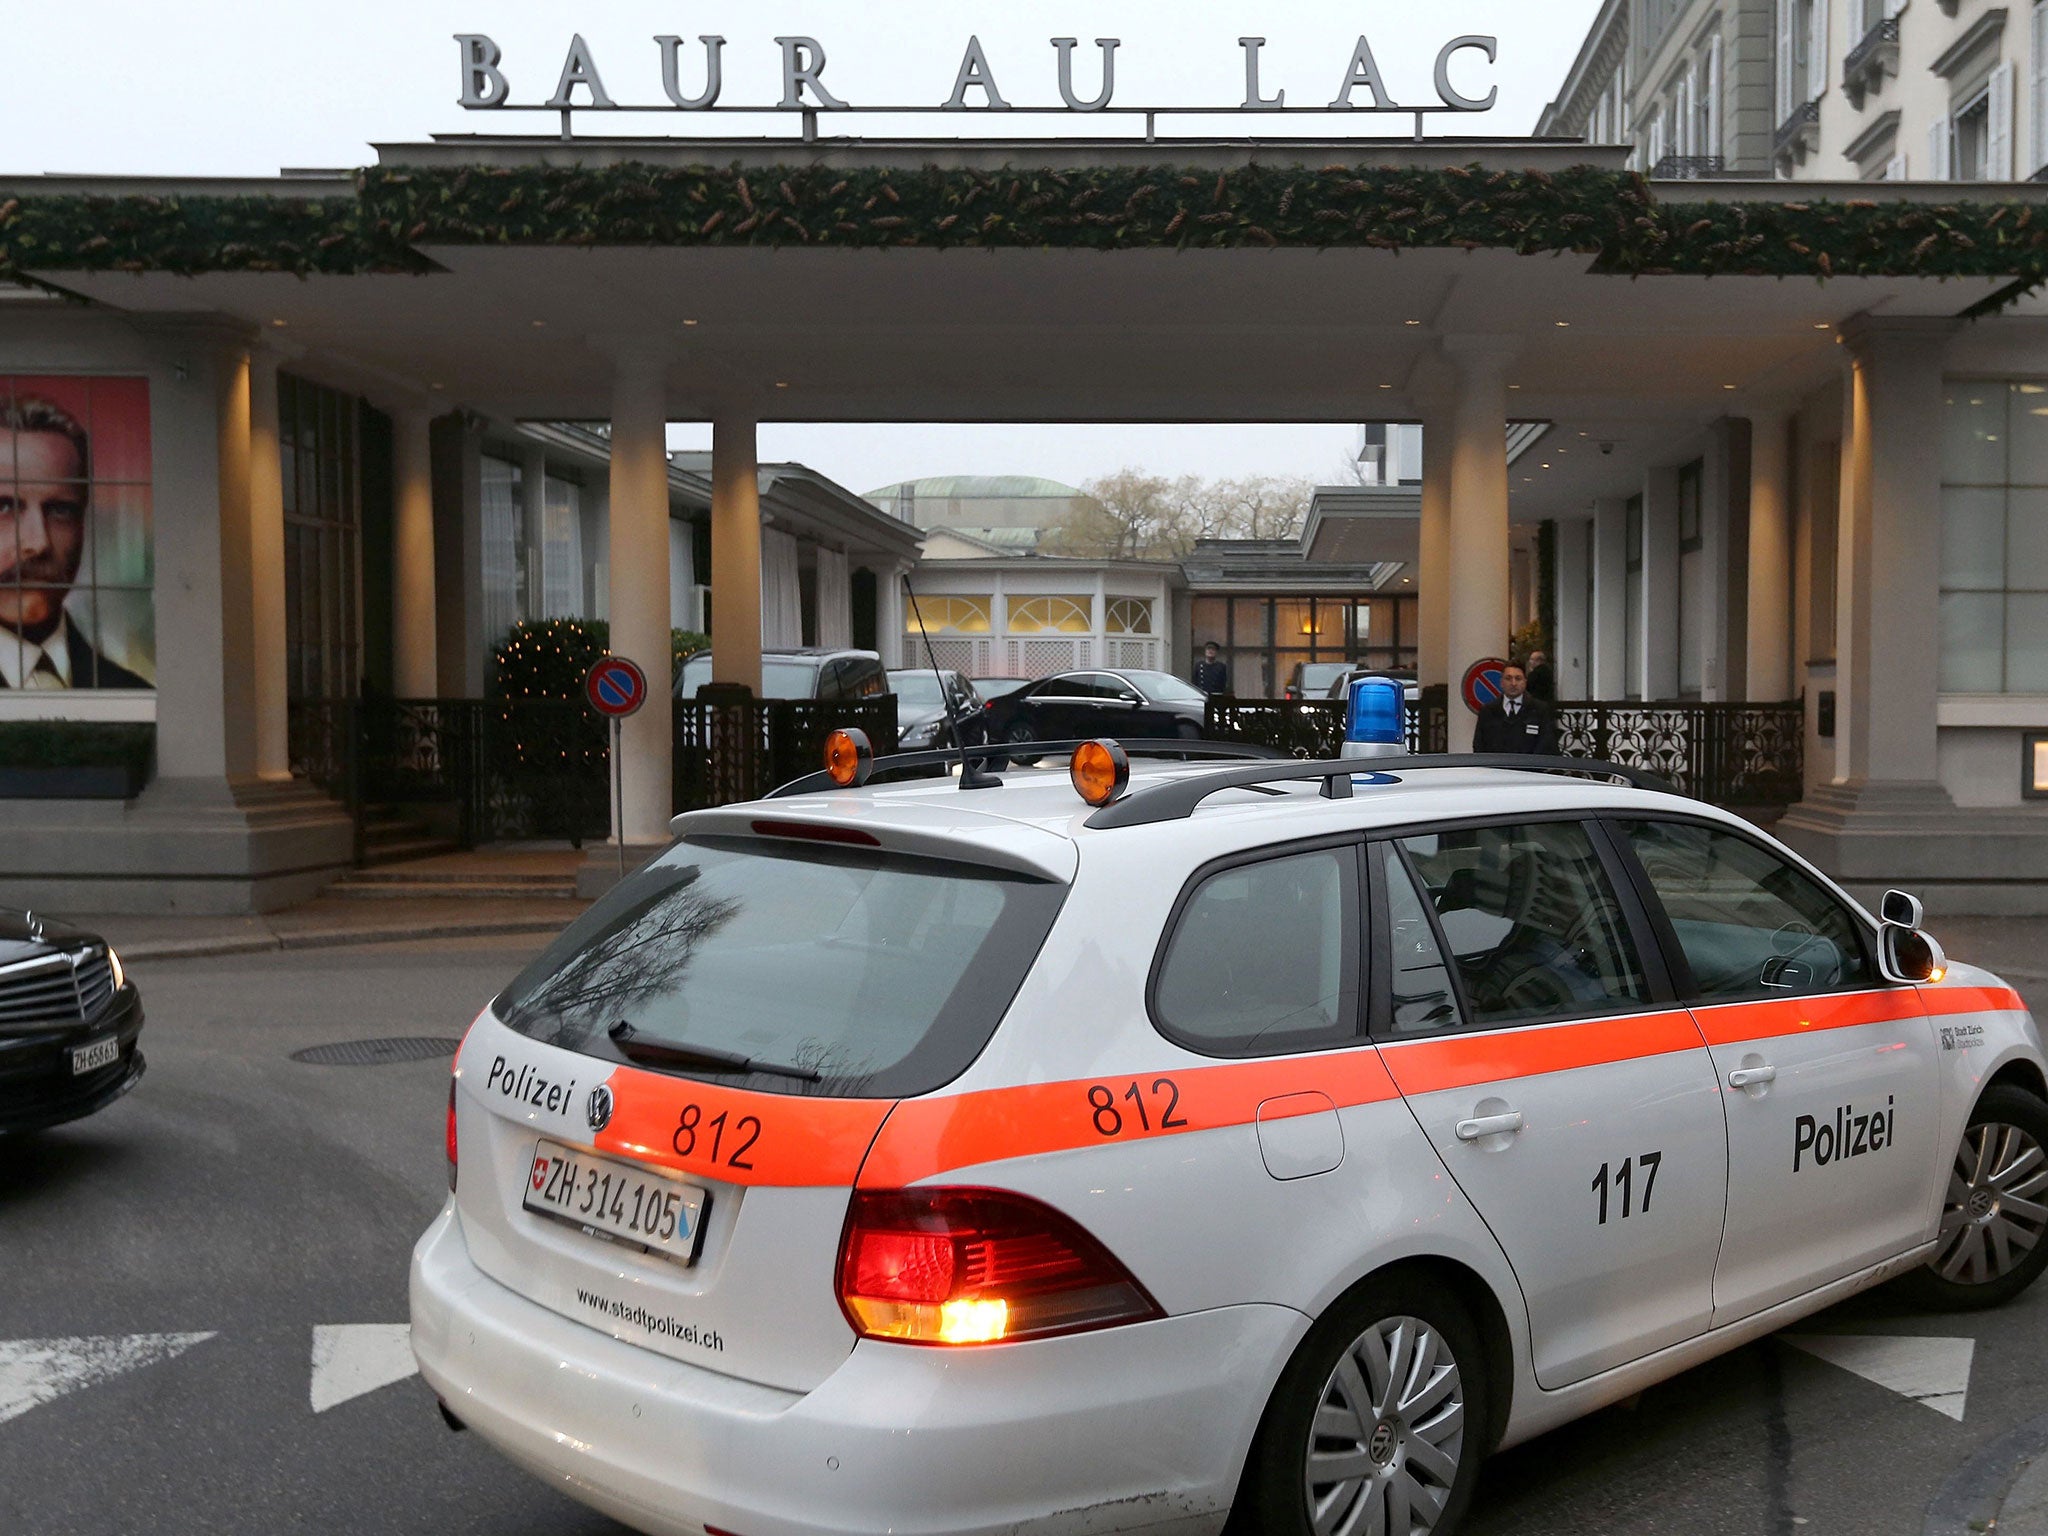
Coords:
pixel 376 1053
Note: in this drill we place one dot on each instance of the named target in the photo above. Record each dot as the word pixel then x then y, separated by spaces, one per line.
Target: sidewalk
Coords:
pixel 324 923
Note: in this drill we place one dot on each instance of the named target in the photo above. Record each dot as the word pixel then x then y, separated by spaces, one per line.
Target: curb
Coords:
pixel 1971 1499
pixel 331 938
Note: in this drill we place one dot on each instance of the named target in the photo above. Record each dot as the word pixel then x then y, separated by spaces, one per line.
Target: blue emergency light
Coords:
pixel 1375 722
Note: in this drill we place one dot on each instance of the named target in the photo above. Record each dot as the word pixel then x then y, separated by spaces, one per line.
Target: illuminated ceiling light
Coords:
pixel 278 323
pixel 1514 386
pixel 539 324
pixel 782 383
pixel 1822 325
pixel 437 386
pixel 1413 322
pixel 1728 386
pixel 1386 386
pixel 1564 325
pixel 689 322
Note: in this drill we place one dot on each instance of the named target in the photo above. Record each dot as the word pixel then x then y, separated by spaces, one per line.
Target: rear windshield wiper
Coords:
pixel 703 1057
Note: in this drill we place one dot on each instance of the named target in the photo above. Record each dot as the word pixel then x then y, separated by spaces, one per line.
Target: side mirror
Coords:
pixel 1908 955
pixel 1900 910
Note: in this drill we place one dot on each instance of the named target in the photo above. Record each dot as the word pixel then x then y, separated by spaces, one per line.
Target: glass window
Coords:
pixel 1129 616
pixel 1418 980
pixel 1052 615
pixel 1751 925
pixel 1534 926
pixel 1994 536
pixel 862 974
pixel 1263 959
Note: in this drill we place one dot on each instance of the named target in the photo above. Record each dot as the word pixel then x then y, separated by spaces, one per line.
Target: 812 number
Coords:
pixel 1164 1096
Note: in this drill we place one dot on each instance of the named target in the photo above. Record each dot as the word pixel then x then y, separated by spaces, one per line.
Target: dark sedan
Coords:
pixel 926 715
pixel 69 1020
pixel 1076 706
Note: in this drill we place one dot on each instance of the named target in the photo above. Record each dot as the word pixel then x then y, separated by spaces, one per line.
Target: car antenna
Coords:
pixel 972 774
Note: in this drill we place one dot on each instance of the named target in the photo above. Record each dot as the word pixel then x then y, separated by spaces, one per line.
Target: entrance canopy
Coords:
pixel 1044 281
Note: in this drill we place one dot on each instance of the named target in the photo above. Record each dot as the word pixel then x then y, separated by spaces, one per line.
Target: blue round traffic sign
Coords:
pixel 615 686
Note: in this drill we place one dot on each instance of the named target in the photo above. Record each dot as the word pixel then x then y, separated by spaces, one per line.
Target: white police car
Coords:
pixel 1253 1140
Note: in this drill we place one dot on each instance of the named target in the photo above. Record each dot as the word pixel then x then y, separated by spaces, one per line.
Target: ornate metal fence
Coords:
pixel 531 768
pixel 1728 754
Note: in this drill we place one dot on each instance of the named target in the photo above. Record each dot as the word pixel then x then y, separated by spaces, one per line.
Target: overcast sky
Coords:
pixel 207 87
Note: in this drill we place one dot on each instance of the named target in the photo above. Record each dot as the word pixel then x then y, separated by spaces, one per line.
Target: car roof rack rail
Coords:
pixel 1000 756
pixel 1176 799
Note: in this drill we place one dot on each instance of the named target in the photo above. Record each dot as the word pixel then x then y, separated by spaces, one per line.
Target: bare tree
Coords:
pixel 1131 515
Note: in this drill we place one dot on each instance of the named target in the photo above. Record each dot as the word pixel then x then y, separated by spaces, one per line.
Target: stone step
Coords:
pixel 418 878
pixel 368 886
pixel 404 850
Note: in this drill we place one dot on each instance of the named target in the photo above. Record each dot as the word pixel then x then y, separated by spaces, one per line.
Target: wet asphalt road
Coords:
pixel 240 1194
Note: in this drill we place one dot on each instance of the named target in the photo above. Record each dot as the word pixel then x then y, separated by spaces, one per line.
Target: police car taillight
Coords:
pixel 977 1266
pixel 451 1135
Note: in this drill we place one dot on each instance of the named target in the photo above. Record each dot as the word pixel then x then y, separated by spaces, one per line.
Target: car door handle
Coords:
pixel 1490 1125
pixel 1750 1077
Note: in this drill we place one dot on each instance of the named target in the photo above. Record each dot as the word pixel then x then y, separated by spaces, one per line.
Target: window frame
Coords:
pixel 1679 967
pixel 1650 954
pixel 1356 1035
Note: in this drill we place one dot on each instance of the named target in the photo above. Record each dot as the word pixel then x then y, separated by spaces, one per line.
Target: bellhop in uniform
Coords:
pixel 1517 721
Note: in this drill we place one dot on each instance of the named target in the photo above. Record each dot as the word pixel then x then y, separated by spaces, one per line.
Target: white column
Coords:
pixel 267 670
pixel 237 627
pixel 1657 635
pixel 1572 643
pixel 639 588
pixel 1478 607
pixel 415 670
pixel 1770 560
pixel 1887 614
pixel 1433 576
pixel 533 521
pixel 735 552
pixel 1609 662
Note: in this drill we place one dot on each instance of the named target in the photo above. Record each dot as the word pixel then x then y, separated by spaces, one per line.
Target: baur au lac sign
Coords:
pixel 694 84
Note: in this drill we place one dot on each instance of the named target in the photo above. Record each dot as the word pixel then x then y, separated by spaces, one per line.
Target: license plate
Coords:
pixel 621 1200
pixel 95 1054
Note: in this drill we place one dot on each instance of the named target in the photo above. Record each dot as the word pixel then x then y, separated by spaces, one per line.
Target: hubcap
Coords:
pixel 1389 1432
pixel 1994 1215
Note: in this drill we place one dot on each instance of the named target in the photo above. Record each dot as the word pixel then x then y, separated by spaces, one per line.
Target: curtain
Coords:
pixel 782 608
pixel 561 522
pixel 835 599
pixel 502 515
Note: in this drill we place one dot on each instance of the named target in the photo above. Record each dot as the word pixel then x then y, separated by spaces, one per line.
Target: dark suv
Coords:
pixel 814 672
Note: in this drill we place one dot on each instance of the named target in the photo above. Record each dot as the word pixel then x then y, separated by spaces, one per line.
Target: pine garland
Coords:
pixel 1609 217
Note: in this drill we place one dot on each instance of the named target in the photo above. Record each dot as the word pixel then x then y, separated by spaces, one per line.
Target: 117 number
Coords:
pixel 1621 1179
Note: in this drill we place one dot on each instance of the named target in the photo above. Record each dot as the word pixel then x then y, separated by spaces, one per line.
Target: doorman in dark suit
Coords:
pixel 1516 722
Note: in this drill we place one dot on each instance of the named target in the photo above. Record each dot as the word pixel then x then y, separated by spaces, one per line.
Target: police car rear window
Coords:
pixel 791 967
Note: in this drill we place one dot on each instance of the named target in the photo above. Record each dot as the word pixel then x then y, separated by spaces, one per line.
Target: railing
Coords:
pixel 1805 116
pixel 540 768
pixel 1689 167
pixel 1885 35
pixel 1727 754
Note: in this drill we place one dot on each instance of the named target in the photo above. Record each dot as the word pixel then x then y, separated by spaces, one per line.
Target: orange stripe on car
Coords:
pixel 1735 1023
pixel 1461 1061
pixel 735 1136
pixel 1972 1000
pixel 928 1137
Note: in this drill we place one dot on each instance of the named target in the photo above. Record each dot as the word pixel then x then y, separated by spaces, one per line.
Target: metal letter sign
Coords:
pixel 486 85
pixel 1482 683
pixel 615 687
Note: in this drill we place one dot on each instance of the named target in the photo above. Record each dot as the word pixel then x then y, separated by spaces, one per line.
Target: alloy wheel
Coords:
pixel 1995 1212
pixel 1389 1432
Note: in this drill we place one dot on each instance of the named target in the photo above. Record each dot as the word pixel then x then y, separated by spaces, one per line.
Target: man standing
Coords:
pixel 1211 676
pixel 1515 722
pixel 1542 680
pixel 44 467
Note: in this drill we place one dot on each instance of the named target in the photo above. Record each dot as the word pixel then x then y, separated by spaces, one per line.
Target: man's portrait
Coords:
pixel 74 534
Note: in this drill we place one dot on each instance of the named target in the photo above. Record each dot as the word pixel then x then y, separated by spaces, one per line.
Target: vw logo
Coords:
pixel 1381 1446
pixel 599 1108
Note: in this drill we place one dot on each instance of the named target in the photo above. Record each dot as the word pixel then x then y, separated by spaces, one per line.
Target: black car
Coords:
pixel 1076 706
pixel 814 672
pixel 926 717
pixel 69 1020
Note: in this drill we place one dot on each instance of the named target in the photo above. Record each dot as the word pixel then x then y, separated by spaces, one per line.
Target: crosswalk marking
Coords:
pixel 33 1371
pixel 1935 1372
pixel 350 1359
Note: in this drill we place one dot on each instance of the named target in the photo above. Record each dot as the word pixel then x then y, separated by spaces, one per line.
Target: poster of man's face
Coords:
pixel 76 602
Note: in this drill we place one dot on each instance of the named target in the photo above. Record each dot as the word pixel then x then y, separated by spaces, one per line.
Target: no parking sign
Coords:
pixel 615 686
pixel 1482 683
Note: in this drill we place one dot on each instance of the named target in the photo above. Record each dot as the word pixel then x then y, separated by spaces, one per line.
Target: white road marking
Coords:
pixel 33 1371
pixel 1935 1372
pixel 350 1359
